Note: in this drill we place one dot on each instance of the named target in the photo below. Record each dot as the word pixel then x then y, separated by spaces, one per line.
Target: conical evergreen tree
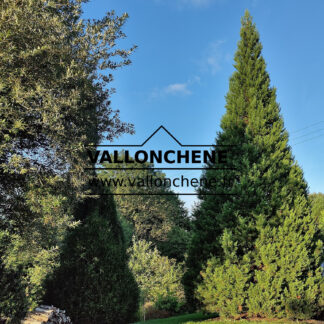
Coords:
pixel 264 233
pixel 93 283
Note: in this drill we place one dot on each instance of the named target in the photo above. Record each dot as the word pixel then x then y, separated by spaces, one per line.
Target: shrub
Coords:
pixel 13 301
pixel 151 312
pixel 276 280
pixel 155 275
pixel 286 283
pixel 169 303
pixel 223 289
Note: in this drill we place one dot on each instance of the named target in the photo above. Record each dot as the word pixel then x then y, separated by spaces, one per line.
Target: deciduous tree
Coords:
pixel 160 218
pixel 54 101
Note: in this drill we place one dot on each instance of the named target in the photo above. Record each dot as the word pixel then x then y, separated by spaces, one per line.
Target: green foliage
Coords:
pixel 223 289
pixel 128 230
pixel 287 284
pixel 317 200
pixel 317 203
pixel 155 275
pixel 13 300
pixel 93 282
pixel 54 101
pixel 168 303
pixel 33 251
pixel 175 246
pixel 160 219
pixel 320 314
pixel 265 234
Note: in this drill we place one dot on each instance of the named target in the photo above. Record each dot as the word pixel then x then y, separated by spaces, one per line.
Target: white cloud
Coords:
pixel 197 3
pixel 177 88
pixel 182 89
pixel 213 57
pixel 189 3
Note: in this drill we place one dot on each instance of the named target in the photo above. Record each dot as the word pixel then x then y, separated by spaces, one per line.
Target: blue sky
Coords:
pixel 180 71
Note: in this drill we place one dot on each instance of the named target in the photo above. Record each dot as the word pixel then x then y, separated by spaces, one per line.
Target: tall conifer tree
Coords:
pixel 93 283
pixel 263 236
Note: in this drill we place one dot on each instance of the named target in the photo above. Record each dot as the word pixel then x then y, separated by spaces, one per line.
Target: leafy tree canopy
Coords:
pixel 160 218
pixel 54 101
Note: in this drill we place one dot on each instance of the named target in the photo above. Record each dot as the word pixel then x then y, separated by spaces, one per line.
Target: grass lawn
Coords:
pixel 252 321
pixel 193 318
pixel 199 318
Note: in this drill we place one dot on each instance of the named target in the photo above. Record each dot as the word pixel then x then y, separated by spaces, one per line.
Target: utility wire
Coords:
pixel 301 129
pixel 309 139
pixel 307 134
pixel 314 131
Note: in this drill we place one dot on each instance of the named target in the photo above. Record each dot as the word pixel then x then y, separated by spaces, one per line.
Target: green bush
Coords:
pixel 13 300
pixel 93 283
pixel 223 289
pixel 286 284
pixel 168 303
pixel 276 280
pixel 155 275
pixel 320 313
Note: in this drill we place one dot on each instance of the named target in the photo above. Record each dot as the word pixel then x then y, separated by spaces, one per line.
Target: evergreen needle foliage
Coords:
pixel 263 241
pixel 93 283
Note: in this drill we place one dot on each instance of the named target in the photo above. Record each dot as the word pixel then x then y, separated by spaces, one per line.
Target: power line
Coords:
pixel 307 134
pixel 309 139
pixel 315 131
pixel 299 130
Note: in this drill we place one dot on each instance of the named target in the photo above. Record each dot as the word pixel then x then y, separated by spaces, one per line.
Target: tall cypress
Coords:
pixel 93 282
pixel 264 233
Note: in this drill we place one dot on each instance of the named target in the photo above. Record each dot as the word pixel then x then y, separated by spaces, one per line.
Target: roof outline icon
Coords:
pixel 155 132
